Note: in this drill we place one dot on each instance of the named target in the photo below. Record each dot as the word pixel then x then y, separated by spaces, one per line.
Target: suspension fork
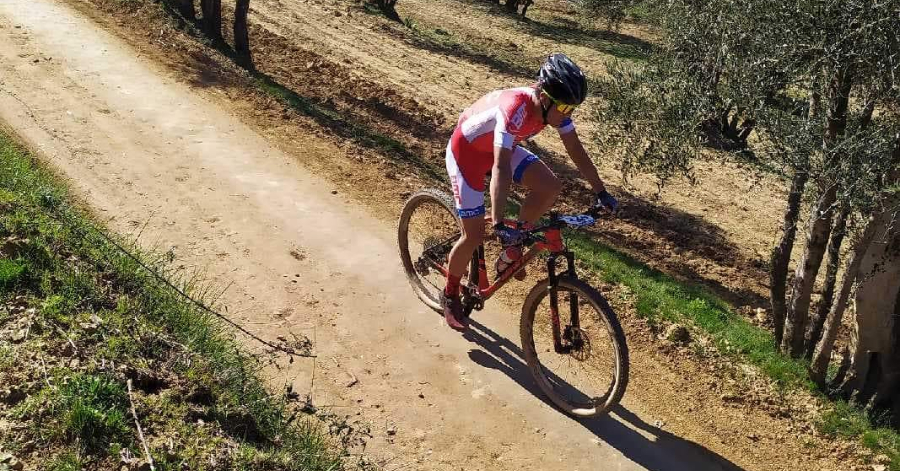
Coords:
pixel 553 286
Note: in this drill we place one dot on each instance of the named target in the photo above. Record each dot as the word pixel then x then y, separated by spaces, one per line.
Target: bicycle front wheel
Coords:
pixel 428 229
pixel 590 373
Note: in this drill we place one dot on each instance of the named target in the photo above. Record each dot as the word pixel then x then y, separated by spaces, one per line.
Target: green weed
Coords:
pixel 848 421
pixel 10 273
pixel 94 411
pixel 7 356
pixel 844 420
pixel 67 461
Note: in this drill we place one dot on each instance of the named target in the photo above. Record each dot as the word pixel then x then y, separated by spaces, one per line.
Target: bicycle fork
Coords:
pixel 572 332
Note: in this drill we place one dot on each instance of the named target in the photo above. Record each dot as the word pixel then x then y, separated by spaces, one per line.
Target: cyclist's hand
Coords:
pixel 507 235
pixel 605 201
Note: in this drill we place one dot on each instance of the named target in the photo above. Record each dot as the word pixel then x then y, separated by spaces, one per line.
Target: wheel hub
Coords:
pixel 579 343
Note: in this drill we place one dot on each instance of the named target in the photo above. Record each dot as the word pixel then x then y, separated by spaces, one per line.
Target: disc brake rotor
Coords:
pixel 580 343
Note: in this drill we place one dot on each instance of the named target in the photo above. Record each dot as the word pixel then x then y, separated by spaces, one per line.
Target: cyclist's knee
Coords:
pixel 473 231
pixel 554 187
pixel 549 189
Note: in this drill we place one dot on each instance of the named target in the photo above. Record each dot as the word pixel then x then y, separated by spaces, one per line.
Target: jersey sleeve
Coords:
pixel 566 126
pixel 511 111
pixel 502 137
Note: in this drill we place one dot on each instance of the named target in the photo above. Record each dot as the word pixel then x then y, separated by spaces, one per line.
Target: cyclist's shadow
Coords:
pixel 666 453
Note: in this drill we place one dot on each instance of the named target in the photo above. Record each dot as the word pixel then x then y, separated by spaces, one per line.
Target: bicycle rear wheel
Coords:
pixel 428 229
pixel 592 376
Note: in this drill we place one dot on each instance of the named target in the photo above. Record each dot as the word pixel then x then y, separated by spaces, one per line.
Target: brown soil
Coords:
pixel 708 233
pixel 377 81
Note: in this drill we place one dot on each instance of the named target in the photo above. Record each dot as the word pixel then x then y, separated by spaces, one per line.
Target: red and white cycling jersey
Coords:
pixel 502 118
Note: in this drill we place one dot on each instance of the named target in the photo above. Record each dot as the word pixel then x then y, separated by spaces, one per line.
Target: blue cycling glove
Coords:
pixel 507 235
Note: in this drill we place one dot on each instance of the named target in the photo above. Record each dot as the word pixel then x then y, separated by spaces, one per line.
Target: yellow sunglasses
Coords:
pixel 563 108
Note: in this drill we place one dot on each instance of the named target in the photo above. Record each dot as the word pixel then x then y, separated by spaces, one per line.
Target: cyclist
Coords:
pixel 486 140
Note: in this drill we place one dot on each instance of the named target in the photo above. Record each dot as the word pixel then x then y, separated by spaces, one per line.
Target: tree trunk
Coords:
pixel 815 101
pixel 820 219
pixel 212 18
pixel 822 356
pixel 525 5
pixel 887 394
pixel 781 254
pixel 866 116
pixel 861 245
pixel 875 301
pixel 241 33
pixel 841 370
pixel 838 101
pixel 388 8
pixel 832 265
pixel 186 8
pixel 805 278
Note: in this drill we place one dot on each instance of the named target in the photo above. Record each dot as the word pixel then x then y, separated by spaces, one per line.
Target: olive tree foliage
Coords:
pixel 806 90
pixel 613 11
pixel 651 130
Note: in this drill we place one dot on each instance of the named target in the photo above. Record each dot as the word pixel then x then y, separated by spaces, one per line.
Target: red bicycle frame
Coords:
pixel 552 242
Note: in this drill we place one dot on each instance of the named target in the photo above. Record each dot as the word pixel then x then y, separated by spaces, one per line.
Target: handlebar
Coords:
pixel 557 221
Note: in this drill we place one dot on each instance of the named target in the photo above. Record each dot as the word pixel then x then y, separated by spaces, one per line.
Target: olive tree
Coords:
pixel 804 90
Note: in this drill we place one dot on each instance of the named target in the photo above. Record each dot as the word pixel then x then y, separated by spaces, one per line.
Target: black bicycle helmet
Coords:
pixel 563 80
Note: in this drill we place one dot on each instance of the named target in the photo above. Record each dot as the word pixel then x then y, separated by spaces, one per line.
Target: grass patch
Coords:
pixel 844 420
pixel 92 410
pixel 659 297
pixel 92 319
pixel 847 421
pixel 10 272
pixel 68 461
pixel 7 356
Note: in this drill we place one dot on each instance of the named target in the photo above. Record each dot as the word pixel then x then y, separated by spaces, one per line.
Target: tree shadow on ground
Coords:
pixel 685 236
pixel 203 71
pixel 343 126
pixel 666 453
pixel 616 44
pixel 513 65
pixel 567 31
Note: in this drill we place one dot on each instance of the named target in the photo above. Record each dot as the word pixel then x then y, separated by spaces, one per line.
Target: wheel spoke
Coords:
pixel 428 229
pixel 584 378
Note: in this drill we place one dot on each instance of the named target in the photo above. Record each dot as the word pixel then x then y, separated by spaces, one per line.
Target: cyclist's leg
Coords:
pixel 470 207
pixel 542 184
pixel 473 234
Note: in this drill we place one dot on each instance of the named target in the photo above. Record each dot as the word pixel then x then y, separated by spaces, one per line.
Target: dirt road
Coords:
pixel 142 148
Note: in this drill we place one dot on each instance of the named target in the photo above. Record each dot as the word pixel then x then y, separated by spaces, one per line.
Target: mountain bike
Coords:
pixel 571 338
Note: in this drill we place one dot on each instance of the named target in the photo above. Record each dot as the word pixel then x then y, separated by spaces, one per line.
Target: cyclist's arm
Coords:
pixel 581 159
pixel 501 178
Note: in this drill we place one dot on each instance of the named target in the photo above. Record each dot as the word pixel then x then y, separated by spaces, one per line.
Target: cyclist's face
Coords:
pixel 555 117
